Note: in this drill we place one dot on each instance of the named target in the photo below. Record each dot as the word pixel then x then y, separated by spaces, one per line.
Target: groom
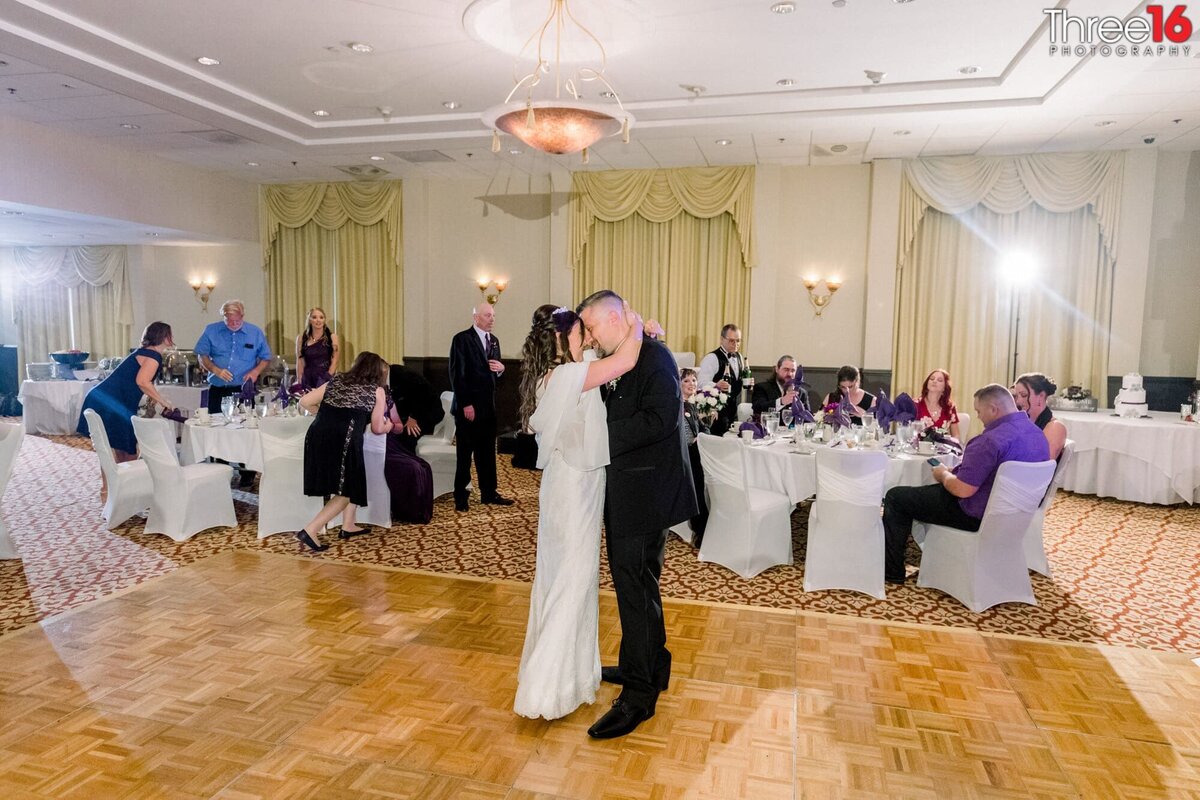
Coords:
pixel 649 489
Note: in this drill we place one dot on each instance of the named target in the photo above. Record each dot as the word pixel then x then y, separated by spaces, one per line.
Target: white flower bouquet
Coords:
pixel 709 401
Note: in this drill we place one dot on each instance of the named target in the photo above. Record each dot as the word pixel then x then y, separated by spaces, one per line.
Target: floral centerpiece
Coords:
pixel 290 395
pixel 709 402
pixel 835 414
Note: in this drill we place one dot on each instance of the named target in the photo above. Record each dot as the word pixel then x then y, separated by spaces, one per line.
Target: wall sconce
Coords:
pixel 203 290
pixel 819 301
pixel 500 283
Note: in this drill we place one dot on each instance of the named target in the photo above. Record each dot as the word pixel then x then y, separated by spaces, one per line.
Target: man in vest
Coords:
pixel 723 367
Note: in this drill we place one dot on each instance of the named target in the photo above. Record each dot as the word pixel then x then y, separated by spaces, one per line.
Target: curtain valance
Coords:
pixel 1058 182
pixel 659 195
pixel 331 205
pixel 70 266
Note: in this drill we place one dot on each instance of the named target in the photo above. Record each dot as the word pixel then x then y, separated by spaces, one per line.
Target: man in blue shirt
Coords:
pixel 234 352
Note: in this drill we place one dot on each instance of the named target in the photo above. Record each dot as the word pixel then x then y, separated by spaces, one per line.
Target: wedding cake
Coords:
pixel 1131 400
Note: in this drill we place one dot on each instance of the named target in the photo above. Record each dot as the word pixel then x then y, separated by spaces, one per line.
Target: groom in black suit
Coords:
pixel 475 367
pixel 649 489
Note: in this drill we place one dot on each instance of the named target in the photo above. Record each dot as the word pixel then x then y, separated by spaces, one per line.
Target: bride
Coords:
pixel 560 402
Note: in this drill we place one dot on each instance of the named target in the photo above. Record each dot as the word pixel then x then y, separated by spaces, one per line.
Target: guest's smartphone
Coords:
pixel 933 462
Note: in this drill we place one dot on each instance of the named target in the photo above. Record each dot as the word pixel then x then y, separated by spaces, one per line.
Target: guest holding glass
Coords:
pixel 849 385
pixel 333 447
pixel 117 397
pixel 778 394
pixel 1032 391
pixel 317 351
pixel 694 425
pixel 936 406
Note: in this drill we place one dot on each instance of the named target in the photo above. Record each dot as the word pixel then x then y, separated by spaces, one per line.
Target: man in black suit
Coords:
pixel 474 369
pixel 649 489
pixel 779 394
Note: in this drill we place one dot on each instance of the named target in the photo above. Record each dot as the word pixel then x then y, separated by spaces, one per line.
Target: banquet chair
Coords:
pixel 188 499
pixel 12 433
pixel 749 530
pixel 985 568
pixel 438 450
pixel 1035 546
pixel 378 510
pixel 282 504
pixel 744 412
pixel 845 529
pixel 683 530
pixel 964 428
pixel 130 490
pixel 685 360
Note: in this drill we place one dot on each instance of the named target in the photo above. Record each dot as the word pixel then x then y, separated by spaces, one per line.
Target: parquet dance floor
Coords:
pixel 254 674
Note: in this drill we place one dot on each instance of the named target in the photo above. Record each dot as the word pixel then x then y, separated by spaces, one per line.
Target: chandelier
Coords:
pixel 558 125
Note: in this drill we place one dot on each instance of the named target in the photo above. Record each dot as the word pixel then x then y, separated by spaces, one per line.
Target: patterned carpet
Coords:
pixel 1123 573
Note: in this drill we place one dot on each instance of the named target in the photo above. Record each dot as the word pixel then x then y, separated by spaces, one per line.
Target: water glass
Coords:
pixel 809 429
pixel 227 407
pixel 771 424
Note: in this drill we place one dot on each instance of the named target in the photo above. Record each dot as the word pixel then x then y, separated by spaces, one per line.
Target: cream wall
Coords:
pixel 1171 324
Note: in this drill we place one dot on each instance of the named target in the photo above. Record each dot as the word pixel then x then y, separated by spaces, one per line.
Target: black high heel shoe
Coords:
pixel 345 534
pixel 309 542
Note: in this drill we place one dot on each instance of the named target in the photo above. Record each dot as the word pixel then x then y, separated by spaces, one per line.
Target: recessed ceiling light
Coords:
pixel 724 142
pixel 377 158
pixel 13 213
pixel 514 152
pixel 129 126
pixel 320 112
pixel 901 2
pixel 1104 123
pixel 838 148
pixel 608 95
pixel 251 163
pixel 970 69
pixel 901 133
pixel 695 89
pixel 451 104
pixel 783 8
pixel 207 61
pixel 785 82
pixel 361 47
pixel 152 234
pixel 839 3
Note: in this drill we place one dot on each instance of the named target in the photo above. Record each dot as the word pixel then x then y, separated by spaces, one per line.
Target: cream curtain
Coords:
pixel 678 244
pixel 955 310
pixel 60 292
pixel 338 246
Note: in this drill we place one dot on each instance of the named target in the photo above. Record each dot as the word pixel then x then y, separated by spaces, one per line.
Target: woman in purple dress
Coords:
pixel 317 351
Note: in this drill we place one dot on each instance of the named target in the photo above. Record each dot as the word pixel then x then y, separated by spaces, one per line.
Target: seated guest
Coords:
pixel 417 403
pixel 414 409
pixel 849 386
pixel 694 425
pixel 1031 391
pixel 936 406
pixel 960 496
pixel 317 351
pixel 779 393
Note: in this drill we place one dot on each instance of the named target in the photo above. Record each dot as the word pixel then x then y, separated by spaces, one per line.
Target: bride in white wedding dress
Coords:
pixel 560 402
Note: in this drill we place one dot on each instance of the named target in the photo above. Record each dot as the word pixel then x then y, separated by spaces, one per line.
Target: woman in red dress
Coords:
pixel 936 405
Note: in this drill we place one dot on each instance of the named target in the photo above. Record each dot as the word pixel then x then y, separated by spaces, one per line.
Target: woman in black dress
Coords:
pixel 849 385
pixel 333 447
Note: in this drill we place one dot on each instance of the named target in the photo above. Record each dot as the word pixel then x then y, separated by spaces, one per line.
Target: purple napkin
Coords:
pixel 934 436
pixel 175 415
pixel 840 418
pixel 246 395
pixel 906 409
pixel 751 425
pixel 885 411
pixel 800 414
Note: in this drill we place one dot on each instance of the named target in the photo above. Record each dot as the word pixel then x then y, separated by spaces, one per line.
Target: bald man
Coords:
pixel 959 496
pixel 475 367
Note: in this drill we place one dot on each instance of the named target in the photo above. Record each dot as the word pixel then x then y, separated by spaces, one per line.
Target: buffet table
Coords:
pixel 1145 460
pixel 52 407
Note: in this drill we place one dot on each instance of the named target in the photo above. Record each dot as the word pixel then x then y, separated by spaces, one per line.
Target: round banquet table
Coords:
pixel 229 442
pixel 781 466
pixel 1145 460
pixel 52 407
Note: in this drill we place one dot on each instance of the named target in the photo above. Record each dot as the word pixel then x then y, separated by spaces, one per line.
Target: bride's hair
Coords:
pixel 545 347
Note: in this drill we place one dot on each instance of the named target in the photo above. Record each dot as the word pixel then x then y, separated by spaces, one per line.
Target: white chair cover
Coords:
pixel 378 510
pixel 12 433
pixel 130 490
pixel 684 531
pixel 1035 546
pixel 964 428
pixel 186 500
pixel 845 530
pixel 438 450
pixel 282 504
pixel 685 360
pixel 749 530
pixel 987 568
pixel 744 412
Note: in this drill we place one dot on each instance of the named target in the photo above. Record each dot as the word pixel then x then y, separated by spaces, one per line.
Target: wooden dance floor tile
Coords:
pixel 251 675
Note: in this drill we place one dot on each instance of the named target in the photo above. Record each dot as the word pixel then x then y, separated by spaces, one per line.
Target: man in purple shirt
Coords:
pixel 959 497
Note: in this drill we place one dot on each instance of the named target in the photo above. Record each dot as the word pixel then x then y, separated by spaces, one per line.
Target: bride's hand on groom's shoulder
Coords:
pixel 654 329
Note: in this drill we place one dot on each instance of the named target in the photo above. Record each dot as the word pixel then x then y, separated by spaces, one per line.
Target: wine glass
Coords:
pixel 785 417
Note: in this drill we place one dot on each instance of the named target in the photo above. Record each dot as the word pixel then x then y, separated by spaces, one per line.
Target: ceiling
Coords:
pixel 125 71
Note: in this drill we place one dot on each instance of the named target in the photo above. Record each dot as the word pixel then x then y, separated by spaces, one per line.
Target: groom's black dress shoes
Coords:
pixel 613 675
pixel 620 720
pixel 497 500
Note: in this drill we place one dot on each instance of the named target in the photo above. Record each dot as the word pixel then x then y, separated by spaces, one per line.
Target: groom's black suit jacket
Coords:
pixel 649 477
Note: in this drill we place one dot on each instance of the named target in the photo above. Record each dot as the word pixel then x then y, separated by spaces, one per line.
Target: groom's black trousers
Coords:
pixel 636 563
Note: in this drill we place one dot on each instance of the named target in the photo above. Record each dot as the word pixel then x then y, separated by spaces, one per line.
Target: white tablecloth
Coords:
pixel 186 398
pixel 234 443
pixel 52 407
pixel 1154 460
pixel 779 468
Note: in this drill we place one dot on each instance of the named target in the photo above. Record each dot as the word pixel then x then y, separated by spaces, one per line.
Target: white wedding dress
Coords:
pixel 560 665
